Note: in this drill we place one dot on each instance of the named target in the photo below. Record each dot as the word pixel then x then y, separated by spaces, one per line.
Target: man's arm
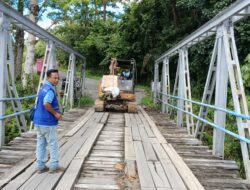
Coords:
pixel 47 104
pixel 51 110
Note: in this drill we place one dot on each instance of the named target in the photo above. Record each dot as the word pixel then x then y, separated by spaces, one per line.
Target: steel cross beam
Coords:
pixel 236 12
pixel 29 26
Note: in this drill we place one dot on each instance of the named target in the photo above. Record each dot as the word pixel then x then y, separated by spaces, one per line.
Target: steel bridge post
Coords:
pixel 156 80
pixel 181 85
pixel 220 95
pixel 83 77
pixel 238 92
pixel 165 85
pixel 4 27
pixel 72 77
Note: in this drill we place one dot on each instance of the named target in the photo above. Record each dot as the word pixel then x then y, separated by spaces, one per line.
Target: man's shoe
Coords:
pixel 56 170
pixel 40 171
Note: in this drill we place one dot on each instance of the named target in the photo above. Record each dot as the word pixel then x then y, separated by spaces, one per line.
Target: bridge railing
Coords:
pixel 224 67
pixel 8 17
pixel 221 128
pixel 19 112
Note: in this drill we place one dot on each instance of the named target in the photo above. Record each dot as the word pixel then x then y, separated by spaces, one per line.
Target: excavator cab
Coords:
pixel 116 90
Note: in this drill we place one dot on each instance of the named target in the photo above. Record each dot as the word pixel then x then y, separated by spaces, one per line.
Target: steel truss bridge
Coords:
pixel 156 150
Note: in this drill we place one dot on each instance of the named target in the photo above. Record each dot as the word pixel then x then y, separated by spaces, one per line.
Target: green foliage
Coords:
pixel 11 128
pixel 86 101
pixel 246 72
pixel 40 49
pixel 93 75
pixel 147 89
pixel 148 101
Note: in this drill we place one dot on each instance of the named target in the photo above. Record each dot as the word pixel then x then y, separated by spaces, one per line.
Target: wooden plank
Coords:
pixel 173 176
pixel 135 131
pixel 145 176
pixel 104 117
pixel 143 134
pixel 129 146
pixel 149 152
pixel 87 139
pixel 15 171
pixel 162 155
pixel 21 179
pixel 96 186
pixel 170 171
pixel 69 177
pixel 146 126
pixel 159 182
pixel 24 165
pixel 160 171
pixel 187 175
pixel 130 167
pixel 101 181
pixel 127 120
pixel 154 128
pixel 83 120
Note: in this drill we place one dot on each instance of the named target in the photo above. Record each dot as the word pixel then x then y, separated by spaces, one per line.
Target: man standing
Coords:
pixel 46 118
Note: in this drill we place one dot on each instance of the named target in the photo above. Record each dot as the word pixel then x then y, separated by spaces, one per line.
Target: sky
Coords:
pixel 45 22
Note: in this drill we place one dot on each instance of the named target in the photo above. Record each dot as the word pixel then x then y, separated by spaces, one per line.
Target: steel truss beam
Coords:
pixel 184 91
pixel 235 12
pixel 156 81
pixel 4 27
pixel 68 96
pixel 29 26
pixel 165 84
pixel 10 81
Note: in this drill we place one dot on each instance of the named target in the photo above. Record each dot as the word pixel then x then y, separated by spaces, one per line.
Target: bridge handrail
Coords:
pixel 17 113
pixel 14 114
pixel 210 106
pixel 19 98
pixel 209 123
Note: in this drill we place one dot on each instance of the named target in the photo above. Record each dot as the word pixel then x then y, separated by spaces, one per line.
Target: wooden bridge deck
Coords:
pixel 119 151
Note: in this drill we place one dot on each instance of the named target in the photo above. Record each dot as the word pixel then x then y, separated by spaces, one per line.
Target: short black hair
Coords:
pixel 48 74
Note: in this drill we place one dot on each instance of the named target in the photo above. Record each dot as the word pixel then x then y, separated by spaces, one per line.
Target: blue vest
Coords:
pixel 42 115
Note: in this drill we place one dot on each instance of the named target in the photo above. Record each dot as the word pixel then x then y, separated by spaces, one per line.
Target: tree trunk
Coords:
pixel 19 44
pixel 29 62
pixel 96 12
pixel 174 12
pixel 104 10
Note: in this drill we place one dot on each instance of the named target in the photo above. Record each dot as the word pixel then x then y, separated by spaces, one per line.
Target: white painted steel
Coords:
pixel 220 95
pixel 72 77
pixel 4 27
pixel 208 91
pixel 156 80
pixel 26 24
pixel 187 93
pixel 10 83
pixel 165 84
pixel 68 96
pixel 181 88
pixel 238 92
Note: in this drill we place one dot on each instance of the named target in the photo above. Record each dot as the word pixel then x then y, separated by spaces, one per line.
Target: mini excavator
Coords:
pixel 116 91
